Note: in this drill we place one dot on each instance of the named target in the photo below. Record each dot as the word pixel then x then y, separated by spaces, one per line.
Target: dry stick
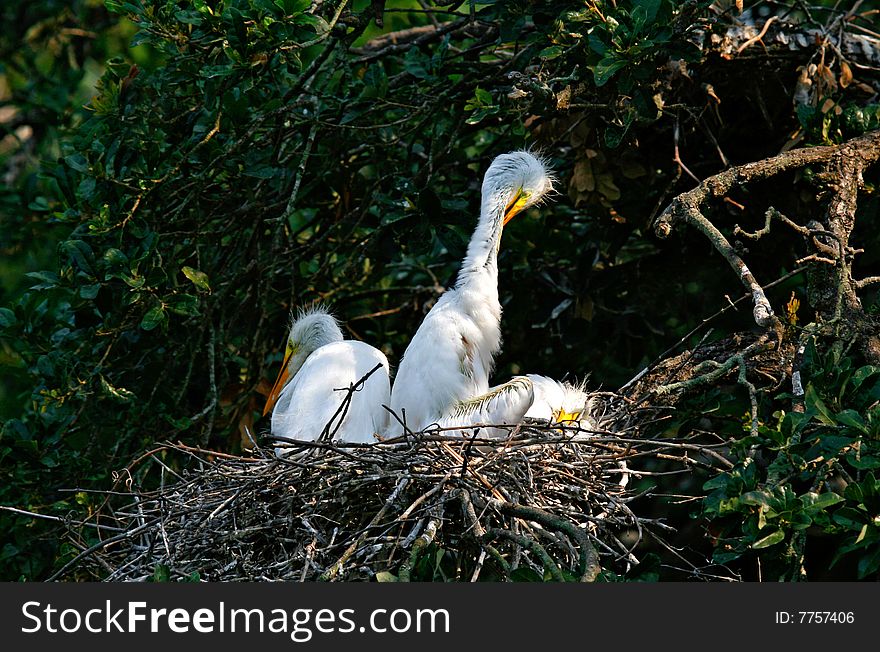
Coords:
pixel 460 460
pixel 418 547
pixel 99 546
pixel 227 476
pixel 470 515
pixel 865 282
pixel 676 156
pixel 334 569
pixel 58 519
pixel 418 501
pixel 300 171
pixel 760 35
pixel 807 231
pixel 797 385
pixel 404 40
pixel 689 210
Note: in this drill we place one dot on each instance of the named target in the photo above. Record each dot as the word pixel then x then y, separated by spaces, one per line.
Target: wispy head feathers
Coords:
pixel 314 326
pixel 519 170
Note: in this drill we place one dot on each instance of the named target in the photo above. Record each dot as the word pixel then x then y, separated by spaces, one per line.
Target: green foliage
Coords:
pixel 817 479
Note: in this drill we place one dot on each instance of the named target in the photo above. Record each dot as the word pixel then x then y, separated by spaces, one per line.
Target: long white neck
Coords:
pixel 476 293
pixel 481 262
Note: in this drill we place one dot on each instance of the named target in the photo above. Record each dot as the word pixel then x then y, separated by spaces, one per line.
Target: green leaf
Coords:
pixel 869 564
pixel 223 70
pixel 7 318
pixel 718 482
pixel 756 498
pixel 770 540
pixel 89 292
pixel 385 576
pixel 551 52
pixel 184 304
pixel 161 573
pixel 153 318
pixel 850 518
pixel 40 204
pixel 189 17
pixel 597 45
pixel 812 400
pixel 199 279
pixel 375 82
pixel 525 574
pixel 815 502
pixel 650 7
pixel 80 253
pixel 864 462
pixel 605 69
pixel 417 64
pixel 47 280
pixel 120 394
pixel 293 6
pixel 115 258
pixel 862 374
pixel 483 96
pixel 852 419
pixel 480 114
pixel 78 162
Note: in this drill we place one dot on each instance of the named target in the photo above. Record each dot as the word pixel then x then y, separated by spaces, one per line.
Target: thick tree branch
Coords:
pixel 687 206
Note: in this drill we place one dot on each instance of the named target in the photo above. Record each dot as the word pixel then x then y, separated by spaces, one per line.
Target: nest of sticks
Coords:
pixel 545 503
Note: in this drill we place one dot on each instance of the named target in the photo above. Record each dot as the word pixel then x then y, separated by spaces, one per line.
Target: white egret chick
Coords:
pixel 450 357
pixel 561 402
pixel 501 406
pixel 319 368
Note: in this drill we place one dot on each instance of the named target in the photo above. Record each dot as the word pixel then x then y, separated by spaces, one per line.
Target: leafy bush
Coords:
pixel 817 477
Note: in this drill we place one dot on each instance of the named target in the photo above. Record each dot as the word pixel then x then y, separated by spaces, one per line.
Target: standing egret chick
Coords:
pixel 319 368
pixel 450 357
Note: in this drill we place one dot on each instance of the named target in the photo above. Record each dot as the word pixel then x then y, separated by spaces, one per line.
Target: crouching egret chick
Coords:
pixel 561 402
pixel 450 357
pixel 505 405
pixel 318 371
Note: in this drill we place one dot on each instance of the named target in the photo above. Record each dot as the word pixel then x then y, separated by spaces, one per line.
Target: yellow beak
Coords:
pixel 568 417
pixel 283 377
pixel 515 205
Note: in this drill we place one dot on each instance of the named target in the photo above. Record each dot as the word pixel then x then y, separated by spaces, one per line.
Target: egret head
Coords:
pixel 313 327
pixel 514 182
pixel 576 406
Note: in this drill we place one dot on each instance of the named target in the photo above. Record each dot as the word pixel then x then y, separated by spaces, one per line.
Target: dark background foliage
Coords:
pixel 180 174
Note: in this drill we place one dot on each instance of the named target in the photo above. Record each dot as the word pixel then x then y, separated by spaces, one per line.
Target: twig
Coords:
pixel 334 569
pixel 760 35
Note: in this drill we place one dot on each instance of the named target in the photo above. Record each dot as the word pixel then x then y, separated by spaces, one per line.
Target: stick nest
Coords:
pixel 547 502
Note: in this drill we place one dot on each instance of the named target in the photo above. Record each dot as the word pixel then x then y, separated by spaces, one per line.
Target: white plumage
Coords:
pixel 319 368
pixel 560 402
pixel 450 357
pixel 505 405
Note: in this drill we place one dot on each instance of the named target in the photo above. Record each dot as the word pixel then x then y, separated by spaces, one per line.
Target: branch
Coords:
pixel 528 544
pixel 588 564
pixel 687 206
